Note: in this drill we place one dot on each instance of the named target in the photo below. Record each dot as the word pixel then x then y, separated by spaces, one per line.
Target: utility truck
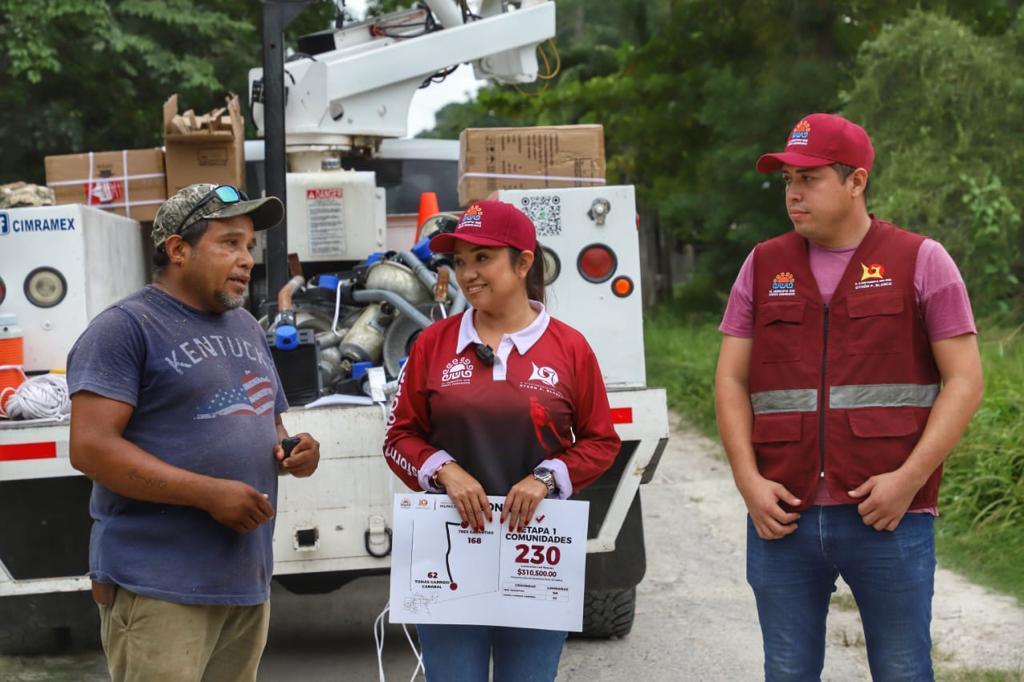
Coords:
pixel 354 292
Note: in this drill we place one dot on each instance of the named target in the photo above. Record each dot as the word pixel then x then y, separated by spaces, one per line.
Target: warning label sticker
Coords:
pixel 326 222
pixel 103 191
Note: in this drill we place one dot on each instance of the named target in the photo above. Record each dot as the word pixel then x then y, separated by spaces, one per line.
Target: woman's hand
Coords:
pixel 522 501
pixel 467 494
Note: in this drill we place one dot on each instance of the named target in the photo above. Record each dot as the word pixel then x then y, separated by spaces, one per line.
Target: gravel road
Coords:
pixel 695 613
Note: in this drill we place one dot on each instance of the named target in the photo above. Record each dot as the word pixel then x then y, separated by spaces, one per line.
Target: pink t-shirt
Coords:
pixel 941 294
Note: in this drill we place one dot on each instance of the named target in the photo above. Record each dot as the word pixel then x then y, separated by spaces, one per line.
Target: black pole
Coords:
pixel 277 15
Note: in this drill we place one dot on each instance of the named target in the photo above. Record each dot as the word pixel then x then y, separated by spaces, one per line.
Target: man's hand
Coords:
pixel 304 459
pixel 467 494
pixel 888 498
pixel 237 505
pixel 521 502
pixel 735 423
pixel 762 498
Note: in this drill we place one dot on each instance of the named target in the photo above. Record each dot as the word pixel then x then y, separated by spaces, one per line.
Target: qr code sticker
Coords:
pixel 545 212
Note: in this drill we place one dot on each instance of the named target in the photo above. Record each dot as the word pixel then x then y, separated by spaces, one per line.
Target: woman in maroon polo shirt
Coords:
pixel 500 400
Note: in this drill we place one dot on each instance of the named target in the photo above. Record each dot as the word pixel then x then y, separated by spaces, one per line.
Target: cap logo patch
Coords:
pixel 473 217
pixel 801 133
pixel 872 276
pixel 784 284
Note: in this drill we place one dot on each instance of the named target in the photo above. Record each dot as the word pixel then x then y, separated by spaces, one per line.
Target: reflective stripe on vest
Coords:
pixel 845 397
pixel 882 395
pixel 791 400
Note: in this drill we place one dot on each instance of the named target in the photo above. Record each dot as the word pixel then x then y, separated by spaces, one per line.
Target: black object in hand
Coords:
pixel 288 444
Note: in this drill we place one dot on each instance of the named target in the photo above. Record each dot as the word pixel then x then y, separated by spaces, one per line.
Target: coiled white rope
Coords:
pixel 42 397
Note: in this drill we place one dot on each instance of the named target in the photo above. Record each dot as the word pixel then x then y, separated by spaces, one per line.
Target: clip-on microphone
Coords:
pixel 485 354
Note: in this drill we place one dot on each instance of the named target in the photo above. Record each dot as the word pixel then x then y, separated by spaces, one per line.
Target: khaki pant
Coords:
pixel 151 640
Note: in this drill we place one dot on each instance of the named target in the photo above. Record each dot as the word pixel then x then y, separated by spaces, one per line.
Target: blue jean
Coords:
pixel 891 574
pixel 462 653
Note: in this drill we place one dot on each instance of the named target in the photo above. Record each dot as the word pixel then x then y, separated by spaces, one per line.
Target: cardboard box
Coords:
pixel 529 158
pixel 130 182
pixel 207 148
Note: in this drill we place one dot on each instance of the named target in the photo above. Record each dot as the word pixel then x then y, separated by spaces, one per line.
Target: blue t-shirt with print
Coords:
pixel 205 393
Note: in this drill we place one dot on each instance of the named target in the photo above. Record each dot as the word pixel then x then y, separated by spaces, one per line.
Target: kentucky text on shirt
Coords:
pixel 200 348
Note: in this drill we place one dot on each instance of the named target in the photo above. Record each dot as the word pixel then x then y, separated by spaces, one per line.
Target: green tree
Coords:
pixel 693 93
pixel 82 75
pixel 943 107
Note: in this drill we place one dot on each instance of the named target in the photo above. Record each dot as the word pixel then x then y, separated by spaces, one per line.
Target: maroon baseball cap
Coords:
pixel 490 223
pixel 821 140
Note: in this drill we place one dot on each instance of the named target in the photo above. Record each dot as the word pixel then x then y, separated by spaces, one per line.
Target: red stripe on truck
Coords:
pixel 9 453
pixel 622 415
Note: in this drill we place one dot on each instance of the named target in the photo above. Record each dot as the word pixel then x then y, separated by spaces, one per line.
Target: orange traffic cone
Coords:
pixel 428 209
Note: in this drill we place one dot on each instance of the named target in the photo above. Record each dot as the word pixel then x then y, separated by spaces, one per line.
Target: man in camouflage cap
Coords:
pixel 183 220
pixel 196 203
pixel 175 416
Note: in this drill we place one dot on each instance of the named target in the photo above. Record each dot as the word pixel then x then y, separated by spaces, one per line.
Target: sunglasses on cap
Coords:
pixel 225 193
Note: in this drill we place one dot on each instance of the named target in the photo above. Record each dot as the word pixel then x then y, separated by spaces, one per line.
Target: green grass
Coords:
pixel 980 532
pixel 978 676
pixel 982 503
pixel 843 601
pixel 681 357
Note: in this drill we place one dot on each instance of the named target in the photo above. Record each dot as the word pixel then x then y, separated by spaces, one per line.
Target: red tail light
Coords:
pixel 596 263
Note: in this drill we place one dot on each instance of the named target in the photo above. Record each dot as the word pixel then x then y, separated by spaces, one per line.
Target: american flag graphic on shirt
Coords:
pixel 254 396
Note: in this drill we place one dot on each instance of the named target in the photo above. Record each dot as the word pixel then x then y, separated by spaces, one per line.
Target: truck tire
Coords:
pixel 608 613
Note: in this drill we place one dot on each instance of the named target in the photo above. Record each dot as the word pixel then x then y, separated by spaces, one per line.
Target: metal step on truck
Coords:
pixel 347 231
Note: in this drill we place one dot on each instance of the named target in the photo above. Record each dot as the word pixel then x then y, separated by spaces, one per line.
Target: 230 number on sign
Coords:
pixel 540 554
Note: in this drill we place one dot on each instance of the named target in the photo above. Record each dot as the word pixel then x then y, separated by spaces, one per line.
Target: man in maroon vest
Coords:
pixel 849 369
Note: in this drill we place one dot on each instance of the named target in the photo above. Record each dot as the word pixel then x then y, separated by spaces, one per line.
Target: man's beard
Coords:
pixel 228 302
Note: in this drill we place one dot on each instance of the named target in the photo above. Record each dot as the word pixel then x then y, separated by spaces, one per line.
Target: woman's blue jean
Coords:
pixel 462 653
pixel 892 577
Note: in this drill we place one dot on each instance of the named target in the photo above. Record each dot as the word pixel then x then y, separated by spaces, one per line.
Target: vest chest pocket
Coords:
pixel 875 323
pixel 780 331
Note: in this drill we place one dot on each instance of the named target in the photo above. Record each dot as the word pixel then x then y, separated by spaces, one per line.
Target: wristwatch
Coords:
pixel 547 477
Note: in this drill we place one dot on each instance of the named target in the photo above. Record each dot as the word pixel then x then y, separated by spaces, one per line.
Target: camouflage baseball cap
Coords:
pixel 265 213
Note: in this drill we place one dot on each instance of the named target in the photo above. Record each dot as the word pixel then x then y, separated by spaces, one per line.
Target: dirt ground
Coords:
pixel 695 615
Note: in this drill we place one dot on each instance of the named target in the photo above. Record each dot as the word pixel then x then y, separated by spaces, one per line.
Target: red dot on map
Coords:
pixel 453 586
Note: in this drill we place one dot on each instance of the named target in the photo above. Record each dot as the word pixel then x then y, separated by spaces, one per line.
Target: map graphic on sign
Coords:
pixel 442 572
pixel 460 560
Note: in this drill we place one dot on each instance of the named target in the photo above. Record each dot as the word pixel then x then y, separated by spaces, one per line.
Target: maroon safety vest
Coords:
pixel 842 390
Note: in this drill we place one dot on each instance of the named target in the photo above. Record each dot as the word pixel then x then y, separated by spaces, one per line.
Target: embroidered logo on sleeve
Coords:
pixel 784 284
pixel 872 276
pixel 544 375
pixel 457 372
